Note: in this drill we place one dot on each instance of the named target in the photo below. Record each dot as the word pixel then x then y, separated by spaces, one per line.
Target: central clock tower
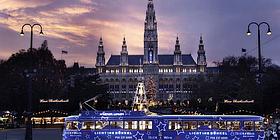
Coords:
pixel 150 36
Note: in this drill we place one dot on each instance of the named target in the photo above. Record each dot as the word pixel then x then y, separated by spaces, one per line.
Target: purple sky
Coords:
pixel 76 25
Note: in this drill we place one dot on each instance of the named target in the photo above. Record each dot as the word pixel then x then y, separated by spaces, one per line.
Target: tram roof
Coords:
pixel 141 115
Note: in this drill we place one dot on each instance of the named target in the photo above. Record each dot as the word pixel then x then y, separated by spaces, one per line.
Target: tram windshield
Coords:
pixel 72 125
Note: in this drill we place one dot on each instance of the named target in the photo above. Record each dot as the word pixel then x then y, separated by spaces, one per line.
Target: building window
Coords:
pixel 117 71
pixel 135 70
pixel 160 87
pixel 111 88
pixel 123 87
pixel 123 70
pixel 178 87
pixel 117 87
pixel 130 87
pixel 165 87
pixel 151 56
pixel 171 88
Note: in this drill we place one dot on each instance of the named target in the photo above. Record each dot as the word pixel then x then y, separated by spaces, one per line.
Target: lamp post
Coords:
pixel 259 40
pixel 28 132
pixel 259 56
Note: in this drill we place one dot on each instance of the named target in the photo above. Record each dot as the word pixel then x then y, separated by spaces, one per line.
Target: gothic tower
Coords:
pixel 100 58
pixel 177 53
pixel 177 61
pixel 201 58
pixel 150 36
pixel 124 54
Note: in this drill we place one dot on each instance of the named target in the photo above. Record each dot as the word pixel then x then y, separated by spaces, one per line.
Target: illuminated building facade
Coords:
pixel 172 74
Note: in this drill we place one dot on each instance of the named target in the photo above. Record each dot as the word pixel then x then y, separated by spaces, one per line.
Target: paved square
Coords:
pixel 38 134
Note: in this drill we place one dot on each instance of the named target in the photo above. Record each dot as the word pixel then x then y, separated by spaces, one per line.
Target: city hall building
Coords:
pixel 167 76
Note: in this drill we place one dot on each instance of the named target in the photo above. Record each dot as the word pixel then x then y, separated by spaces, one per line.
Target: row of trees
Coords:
pixel 238 78
pixel 50 80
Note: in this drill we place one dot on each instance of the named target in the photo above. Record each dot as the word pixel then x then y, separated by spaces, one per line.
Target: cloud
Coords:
pixel 56 22
pixel 87 1
pixel 18 4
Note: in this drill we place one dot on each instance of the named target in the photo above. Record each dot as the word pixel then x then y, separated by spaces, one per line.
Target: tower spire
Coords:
pixel 177 40
pixel 201 40
pixel 124 42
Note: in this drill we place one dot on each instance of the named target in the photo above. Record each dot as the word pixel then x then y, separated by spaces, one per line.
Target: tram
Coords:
pixel 137 125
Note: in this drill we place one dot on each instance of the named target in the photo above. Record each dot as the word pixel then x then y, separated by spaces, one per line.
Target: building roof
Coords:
pixel 164 59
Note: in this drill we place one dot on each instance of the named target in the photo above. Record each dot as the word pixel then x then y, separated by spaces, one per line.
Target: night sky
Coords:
pixel 76 26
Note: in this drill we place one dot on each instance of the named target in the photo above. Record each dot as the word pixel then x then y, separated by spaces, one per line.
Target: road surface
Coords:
pixel 38 134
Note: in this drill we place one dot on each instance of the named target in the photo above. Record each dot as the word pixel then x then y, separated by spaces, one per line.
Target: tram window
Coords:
pixel 215 125
pixel 175 125
pixel 193 125
pixel 185 125
pixel 72 125
pixel 131 125
pixel 134 125
pixel 101 124
pixel 145 125
pixel 116 124
pixel 189 125
pixel 171 125
pixel 233 125
pixel 258 126
pixel 127 125
pixel 204 124
pixel 150 125
pixel 222 125
pixel 87 125
pixel 248 125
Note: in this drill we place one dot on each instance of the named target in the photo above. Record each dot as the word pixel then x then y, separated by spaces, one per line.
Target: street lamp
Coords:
pixel 259 40
pixel 259 53
pixel 29 74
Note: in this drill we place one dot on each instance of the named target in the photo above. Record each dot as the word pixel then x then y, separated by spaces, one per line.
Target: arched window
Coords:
pixel 150 56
